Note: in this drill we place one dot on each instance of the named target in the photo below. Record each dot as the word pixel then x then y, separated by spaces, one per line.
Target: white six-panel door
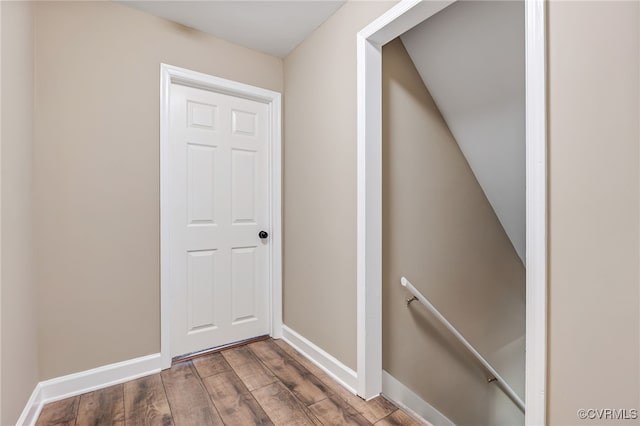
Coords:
pixel 219 183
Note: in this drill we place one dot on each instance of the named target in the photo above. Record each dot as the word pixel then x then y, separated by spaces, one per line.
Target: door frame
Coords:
pixel 396 21
pixel 171 74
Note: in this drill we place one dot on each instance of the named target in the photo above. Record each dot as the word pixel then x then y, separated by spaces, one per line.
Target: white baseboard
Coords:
pixel 86 381
pixel 409 401
pixel 329 364
pixel 32 410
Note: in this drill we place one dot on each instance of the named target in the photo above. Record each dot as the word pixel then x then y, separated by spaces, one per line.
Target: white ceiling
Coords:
pixel 272 27
pixel 471 58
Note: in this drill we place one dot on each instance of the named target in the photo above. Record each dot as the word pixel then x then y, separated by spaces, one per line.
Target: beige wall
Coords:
pixel 97 172
pixel 594 318
pixel 320 182
pixel 19 328
pixel 440 231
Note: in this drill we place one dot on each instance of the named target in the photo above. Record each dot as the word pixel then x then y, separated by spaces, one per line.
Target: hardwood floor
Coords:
pixel 262 383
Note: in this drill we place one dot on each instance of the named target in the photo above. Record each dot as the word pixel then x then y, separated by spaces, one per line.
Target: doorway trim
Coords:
pixel 171 74
pixel 396 21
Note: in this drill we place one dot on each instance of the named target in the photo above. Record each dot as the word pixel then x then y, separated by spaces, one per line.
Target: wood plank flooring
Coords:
pixel 262 383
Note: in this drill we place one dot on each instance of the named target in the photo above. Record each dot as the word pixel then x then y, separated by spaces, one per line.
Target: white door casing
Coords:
pixel 220 186
pixel 397 20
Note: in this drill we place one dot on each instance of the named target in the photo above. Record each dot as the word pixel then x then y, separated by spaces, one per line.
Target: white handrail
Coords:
pixel 501 382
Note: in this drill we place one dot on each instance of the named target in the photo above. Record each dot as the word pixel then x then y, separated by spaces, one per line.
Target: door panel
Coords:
pixel 243 279
pixel 201 269
pixel 244 123
pixel 201 177
pixel 243 186
pixel 219 202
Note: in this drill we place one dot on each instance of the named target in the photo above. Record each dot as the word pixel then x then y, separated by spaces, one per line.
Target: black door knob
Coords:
pixel 263 234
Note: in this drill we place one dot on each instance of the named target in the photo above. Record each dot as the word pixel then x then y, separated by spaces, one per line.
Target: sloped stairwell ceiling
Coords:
pixel 471 58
